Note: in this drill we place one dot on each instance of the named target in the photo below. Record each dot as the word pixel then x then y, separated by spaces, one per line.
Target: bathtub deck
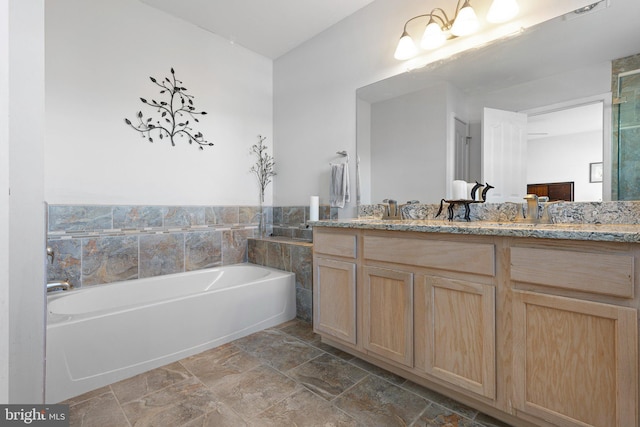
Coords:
pixel 277 377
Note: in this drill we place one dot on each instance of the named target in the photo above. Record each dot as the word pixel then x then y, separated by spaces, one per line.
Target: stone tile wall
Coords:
pixel 97 244
pixel 291 221
pixel 289 255
pixel 615 212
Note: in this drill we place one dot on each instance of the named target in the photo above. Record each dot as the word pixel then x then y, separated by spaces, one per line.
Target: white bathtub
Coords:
pixel 103 334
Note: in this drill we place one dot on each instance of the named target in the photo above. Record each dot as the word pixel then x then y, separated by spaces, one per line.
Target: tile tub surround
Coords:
pixel 97 244
pixel 291 221
pixel 277 377
pixel 289 255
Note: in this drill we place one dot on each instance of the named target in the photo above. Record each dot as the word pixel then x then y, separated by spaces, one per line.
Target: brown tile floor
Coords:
pixel 283 376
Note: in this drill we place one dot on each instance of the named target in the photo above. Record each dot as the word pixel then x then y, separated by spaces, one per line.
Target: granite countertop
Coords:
pixel 566 231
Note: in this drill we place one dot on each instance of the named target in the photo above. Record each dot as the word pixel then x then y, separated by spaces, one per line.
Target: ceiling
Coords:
pixel 270 28
pixel 573 120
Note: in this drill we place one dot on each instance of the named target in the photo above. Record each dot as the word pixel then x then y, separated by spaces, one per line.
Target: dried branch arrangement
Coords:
pixel 263 169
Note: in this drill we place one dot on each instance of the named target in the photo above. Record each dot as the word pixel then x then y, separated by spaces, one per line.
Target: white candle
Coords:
pixel 314 203
pixel 459 190
pixel 470 186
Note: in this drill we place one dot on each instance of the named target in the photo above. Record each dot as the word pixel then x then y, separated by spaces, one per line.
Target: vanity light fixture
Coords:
pixel 464 22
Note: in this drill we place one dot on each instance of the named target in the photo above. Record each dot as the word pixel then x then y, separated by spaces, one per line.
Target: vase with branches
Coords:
pixel 264 172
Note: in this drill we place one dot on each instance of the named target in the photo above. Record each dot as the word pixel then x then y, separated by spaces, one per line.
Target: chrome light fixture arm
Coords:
pixel 446 23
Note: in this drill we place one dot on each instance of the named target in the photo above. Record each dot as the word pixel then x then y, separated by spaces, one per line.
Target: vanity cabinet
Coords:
pixel 575 359
pixel 436 298
pixel 334 302
pixel 537 332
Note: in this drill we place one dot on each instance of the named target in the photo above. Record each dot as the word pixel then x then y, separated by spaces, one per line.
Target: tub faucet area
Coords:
pixel 51 254
pixel 59 285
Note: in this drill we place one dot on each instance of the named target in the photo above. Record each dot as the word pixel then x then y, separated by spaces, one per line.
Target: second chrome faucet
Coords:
pixel 533 209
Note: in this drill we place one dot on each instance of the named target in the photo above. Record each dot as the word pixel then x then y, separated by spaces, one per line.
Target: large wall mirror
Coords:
pixel 418 131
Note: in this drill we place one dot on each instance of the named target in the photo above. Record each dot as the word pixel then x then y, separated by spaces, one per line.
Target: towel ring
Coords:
pixel 343 153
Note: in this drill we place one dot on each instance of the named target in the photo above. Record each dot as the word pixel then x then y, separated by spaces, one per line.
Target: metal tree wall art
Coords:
pixel 176 113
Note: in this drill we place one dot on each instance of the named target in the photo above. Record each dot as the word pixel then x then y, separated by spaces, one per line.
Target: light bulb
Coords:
pixel 406 48
pixel 433 36
pixel 502 11
pixel 466 21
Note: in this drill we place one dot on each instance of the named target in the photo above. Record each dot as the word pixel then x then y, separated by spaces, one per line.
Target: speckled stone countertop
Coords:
pixel 593 232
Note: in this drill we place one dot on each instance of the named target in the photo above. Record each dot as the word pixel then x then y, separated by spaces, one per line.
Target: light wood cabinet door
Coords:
pixel 388 314
pixel 575 361
pixel 459 327
pixel 334 299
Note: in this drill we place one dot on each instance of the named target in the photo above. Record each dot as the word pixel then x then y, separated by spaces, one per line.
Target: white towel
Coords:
pixel 358 180
pixel 339 192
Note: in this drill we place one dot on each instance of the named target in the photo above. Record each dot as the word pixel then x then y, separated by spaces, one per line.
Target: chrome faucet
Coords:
pixel 546 216
pixel 391 209
pixel 532 208
pixel 62 285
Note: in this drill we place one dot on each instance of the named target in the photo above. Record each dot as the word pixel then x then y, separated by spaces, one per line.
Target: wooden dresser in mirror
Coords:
pixel 553 190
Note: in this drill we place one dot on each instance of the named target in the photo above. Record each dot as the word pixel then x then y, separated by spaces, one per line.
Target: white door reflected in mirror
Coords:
pixel 560 144
pixel 504 154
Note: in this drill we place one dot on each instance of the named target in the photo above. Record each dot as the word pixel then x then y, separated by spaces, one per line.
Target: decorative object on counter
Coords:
pixel 476 188
pixel 439 27
pixel 459 190
pixel 263 169
pixel 339 190
pixel 175 114
pixel 464 201
pixel 314 206
pixel 487 187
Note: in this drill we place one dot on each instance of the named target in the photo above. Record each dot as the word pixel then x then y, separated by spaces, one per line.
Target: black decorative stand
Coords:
pixel 465 202
pixel 452 204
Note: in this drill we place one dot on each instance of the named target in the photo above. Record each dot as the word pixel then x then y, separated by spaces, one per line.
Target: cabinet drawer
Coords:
pixel 477 258
pixel 337 244
pixel 605 274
